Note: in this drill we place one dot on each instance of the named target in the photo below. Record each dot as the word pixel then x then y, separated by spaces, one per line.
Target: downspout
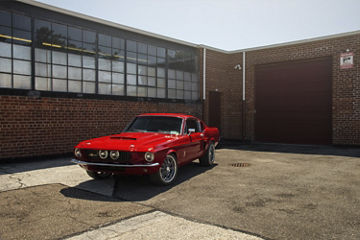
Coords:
pixel 243 99
pixel 204 74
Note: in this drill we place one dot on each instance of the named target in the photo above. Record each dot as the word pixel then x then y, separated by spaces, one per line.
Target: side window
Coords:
pixel 192 123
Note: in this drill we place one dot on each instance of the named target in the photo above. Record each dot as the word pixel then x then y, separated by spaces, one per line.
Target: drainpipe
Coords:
pixel 204 74
pixel 243 99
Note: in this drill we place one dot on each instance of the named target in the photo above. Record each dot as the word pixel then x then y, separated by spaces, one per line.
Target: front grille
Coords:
pixel 93 156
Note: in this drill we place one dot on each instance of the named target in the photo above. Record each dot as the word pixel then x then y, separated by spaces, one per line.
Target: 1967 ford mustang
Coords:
pixel 152 144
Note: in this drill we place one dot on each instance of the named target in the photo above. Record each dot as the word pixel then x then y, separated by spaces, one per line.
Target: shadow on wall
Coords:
pixel 346 151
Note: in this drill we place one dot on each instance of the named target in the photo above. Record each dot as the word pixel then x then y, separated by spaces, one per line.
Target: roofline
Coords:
pixel 178 41
pixel 105 22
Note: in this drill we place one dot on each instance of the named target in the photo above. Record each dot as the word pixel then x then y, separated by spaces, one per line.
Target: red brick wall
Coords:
pixel 46 126
pixel 345 82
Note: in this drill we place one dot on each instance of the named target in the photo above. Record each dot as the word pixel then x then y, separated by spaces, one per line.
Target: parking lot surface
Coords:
pixel 253 192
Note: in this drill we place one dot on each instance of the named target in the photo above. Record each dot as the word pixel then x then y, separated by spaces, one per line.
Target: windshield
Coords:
pixel 167 125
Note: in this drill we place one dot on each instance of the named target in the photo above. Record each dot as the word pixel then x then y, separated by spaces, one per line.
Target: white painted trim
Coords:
pixel 204 74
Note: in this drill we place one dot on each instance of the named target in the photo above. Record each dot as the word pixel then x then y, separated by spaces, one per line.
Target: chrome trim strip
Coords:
pixel 113 165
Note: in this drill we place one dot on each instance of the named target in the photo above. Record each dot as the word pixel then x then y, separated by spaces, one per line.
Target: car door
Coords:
pixel 195 136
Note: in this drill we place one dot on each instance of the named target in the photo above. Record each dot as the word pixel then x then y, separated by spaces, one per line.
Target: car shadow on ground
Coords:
pixel 346 151
pixel 139 188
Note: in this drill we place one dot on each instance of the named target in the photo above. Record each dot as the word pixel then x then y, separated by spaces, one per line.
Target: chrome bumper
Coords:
pixel 113 165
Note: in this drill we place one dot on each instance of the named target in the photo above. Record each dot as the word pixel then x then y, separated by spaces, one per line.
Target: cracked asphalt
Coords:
pixel 286 192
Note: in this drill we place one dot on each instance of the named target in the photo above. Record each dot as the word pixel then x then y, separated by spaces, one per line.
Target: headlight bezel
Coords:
pixel 117 154
pixel 77 152
pixel 149 156
pixel 106 154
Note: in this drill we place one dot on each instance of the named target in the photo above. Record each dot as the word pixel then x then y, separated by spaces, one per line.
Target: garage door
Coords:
pixel 293 102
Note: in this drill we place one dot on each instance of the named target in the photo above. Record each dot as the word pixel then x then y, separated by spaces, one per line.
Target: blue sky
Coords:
pixel 227 24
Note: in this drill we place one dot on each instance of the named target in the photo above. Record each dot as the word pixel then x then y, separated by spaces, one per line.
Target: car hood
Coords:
pixel 129 141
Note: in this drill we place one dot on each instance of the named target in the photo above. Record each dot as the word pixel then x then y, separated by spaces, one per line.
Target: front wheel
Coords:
pixel 98 175
pixel 167 172
pixel 208 158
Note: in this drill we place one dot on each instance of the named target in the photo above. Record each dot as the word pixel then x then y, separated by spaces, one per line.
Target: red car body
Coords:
pixel 132 146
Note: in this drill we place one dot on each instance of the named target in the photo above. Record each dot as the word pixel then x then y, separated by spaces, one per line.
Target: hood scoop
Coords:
pixel 123 138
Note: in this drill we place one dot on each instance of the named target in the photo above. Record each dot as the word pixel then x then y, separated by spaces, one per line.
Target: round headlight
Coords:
pixel 77 153
pixel 149 156
pixel 114 155
pixel 103 154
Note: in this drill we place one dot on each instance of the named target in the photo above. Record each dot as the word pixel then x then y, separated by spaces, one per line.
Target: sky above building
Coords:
pixel 227 24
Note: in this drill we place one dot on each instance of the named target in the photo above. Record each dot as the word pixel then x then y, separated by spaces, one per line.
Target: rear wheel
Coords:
pixel 98 174
pixel 208 158
pixel 167 172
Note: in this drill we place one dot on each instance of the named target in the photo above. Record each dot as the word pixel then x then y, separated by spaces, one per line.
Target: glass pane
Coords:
pixel 5 65
pixel 131 45
pixel 131 68
pixel 22 67
pixel 187 95
pixel 104 40
pixel 142 80
pixel 161 93
pixel 142 48
pixel 5 80
pixel 89 36
pixel 59 58
pixel 74 60
pixel 43 84
pixel 179 75
pixel 151 81
pixel 42 55
pixel 89 48
pixel 131 79
pixel 42 32
pixel 5 49
pixel 22 52
pixel 23 82
pixel 161 82
pixel 171 83
pixel 59 41
pixel 5 34
pixel 187 76
pixel 171 74
pixel 161 72
pixel 117 66
pixel 161 52
pixel 152 61
pixel 171 93
pixel 142 70
pixel 104 88
pixel 59 71
pixel 194 86
pixel 179 94
pixel 89 74
pixel 131 91
pixel 59 85
pixel 59 31
pixel 75 46
pixel 88 87
pixel 117 89
pixel 74 86
pixel 179 84
pixel 194 95
pixel 152 50
pixel 160 62
pixel 74 73
pixel 142 91
pixel 5 18
pixel 104 64
pixel 187 85
pixel 194 77
pixel 88 62
pixel 42 69
pixel 117 78
pixel 105 51
pixel 117 43
pixel 21 37
pixel 151 71
pixel 131 57
pixel 22 22
pixel 171 54
pixel 152 92
pixel 104 76
pixel 118 54
pixel 142 58
pixel 75 34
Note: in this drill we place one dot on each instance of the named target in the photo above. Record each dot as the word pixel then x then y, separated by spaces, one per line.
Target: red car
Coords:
pixel 152 144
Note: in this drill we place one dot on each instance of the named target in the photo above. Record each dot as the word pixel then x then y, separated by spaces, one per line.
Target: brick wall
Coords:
pixel 46 126
pixel 346 85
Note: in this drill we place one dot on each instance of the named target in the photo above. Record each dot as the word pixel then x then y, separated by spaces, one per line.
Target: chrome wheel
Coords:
pixel 168 169
pixel 211 154
pixel 208 158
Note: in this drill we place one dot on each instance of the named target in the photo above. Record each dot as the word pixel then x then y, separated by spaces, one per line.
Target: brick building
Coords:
pixel 66 77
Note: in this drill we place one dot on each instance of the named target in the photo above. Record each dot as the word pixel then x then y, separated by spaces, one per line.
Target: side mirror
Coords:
pixel 191 130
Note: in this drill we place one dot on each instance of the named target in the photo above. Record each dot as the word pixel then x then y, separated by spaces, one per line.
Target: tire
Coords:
pixel 208 158
pixel 98 175
pixel 167 172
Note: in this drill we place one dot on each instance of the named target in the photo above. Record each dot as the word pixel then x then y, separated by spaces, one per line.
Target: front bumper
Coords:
pixel 113 164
